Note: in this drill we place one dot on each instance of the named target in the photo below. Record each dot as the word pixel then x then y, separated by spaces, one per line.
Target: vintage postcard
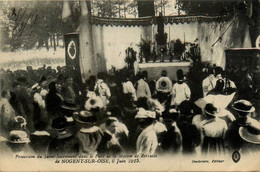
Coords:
pixel 130 85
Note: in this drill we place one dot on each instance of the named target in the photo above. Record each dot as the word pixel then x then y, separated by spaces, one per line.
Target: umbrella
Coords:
pixel 219 101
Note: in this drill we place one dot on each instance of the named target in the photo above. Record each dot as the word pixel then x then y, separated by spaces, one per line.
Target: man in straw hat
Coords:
pixel 243 108
pixel 65 143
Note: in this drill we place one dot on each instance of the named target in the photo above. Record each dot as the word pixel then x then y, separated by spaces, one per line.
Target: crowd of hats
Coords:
pixel 146 109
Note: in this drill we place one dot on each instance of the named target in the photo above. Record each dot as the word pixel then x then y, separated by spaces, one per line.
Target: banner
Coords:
pixel 72 56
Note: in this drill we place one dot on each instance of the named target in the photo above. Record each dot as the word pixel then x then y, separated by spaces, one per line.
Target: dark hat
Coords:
pixel 243 106
pixel 40 126
pixel 48 81
pixel 210 71
pixel 172 114
pixel 250 133
pixel 218 70
pixel 60 124
pixel 18 136
pixel 180 74
pixel 186 107
pixel 69 106
pixel 85 117
pixel 164 73
pixel 210 109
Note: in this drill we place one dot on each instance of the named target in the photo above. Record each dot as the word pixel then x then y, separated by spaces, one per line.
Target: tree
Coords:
pixel 29 24
pixel 212 7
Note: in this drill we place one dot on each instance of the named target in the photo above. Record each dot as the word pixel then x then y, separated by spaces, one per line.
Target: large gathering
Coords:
pixel 174 84
pixel 45 112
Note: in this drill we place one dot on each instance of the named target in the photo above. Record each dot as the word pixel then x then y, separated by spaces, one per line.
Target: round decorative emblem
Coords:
pixel 72 50
pixel 257 42
pixel 236 156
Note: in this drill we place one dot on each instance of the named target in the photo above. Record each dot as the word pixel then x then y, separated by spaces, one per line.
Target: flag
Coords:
pixel 72 56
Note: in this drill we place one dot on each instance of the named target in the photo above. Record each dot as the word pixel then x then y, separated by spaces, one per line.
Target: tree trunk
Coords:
pixel 46 42
pixel 54 43
pixel 51 40
pixel 58 44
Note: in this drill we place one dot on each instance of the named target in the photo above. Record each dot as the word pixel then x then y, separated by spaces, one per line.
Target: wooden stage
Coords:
pixel 154 68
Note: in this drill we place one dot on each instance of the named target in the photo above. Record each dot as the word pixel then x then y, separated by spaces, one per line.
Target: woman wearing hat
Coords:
pixel 39 112
pixel 191 136
pixel 251 136
pixel 147 141
pixel 18 142
pixel 243 109
pixel 53 101
pixel 213 130
pixel 172 138
pixel 89 135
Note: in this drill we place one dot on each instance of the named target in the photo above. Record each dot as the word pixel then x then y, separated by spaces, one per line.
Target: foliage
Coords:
pixel 159 6
pixel 130 57
pixel 161 39
pixel 29 23
pixel 212 7
pixel 111 8
pixel 179 47
pixel 145 48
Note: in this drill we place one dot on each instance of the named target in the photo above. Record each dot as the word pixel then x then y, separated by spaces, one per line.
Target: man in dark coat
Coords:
pixel 65 143
pixel 172 139
pixel 233 141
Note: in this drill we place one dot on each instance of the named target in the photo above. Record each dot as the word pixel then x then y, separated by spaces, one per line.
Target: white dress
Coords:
pixel 147 141
pixel 180 93
pixel 143 89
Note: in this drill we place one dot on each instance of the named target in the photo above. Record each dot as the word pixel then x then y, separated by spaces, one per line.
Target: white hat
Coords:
pixel 18 136
pixel 142 113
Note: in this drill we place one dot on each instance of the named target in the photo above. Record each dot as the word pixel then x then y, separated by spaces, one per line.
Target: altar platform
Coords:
pixel 154 68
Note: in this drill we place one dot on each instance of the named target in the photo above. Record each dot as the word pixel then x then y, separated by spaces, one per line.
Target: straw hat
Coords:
pixel 18 136
pixel 210 109
pixel 243 106
pixel 250 134
pixel 85 117
pixel 143 114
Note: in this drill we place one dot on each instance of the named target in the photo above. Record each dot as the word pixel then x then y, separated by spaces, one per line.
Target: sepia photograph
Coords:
pixel 129 85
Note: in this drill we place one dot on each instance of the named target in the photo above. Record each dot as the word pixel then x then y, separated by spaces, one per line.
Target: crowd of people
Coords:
pixel 46 112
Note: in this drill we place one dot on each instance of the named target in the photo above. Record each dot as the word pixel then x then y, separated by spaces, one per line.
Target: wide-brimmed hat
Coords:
pixel 172 114
pixel 60 124
pixel 143 114
pixel 69 106
pixel 18 136
pixel 210 109
pixel 48 81
pixel 243 106
pixel 85 117
pixel 35 87
pixel 250 134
